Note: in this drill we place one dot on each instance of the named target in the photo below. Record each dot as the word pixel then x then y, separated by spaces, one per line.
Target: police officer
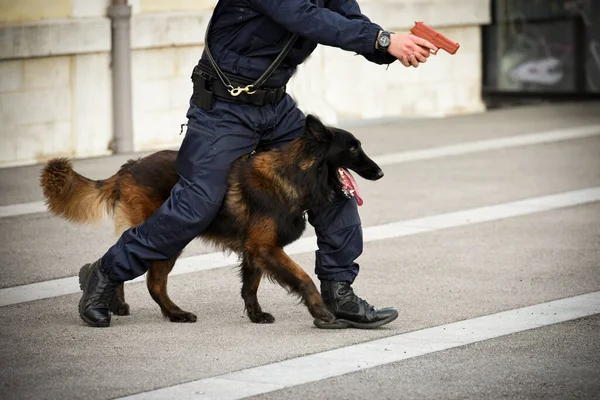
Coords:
pixel 228 117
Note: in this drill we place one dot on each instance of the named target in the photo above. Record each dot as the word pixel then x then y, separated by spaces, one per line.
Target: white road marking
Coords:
pixel 186 265
pixel 346 360
pixel 14 210
pixel 491 144
pixel 409 156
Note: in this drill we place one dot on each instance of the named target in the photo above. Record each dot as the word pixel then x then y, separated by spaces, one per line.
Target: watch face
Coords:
pixel 384 40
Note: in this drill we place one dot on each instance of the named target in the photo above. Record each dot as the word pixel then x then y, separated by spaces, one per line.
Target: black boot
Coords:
pixel 350 310
pixel 98 291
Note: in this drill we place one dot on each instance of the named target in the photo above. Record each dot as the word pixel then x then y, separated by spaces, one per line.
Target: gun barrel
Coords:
pixel 423 31
pixel 447 44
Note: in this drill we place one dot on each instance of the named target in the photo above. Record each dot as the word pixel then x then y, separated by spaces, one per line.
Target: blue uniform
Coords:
pixel 248 34
pixel 245 38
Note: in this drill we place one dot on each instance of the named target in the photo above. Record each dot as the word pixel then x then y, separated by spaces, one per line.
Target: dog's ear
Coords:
pixel 314 127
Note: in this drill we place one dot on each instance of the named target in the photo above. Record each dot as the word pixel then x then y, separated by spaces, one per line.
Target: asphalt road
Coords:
pixel 436 277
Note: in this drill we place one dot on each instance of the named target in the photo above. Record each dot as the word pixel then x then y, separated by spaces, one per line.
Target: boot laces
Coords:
pixel 349 295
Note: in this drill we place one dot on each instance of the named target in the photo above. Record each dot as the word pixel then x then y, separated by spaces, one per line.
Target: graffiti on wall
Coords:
pixel 544 46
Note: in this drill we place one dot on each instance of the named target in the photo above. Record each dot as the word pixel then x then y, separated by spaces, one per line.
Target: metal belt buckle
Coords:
pixel 239 90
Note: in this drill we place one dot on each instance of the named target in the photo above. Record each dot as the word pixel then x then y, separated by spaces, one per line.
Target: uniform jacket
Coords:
pixel 247 35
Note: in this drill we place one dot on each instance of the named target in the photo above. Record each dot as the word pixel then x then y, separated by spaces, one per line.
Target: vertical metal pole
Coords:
pixel 119 13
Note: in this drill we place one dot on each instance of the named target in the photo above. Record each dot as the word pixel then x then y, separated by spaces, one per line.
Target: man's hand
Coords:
pixel 410 49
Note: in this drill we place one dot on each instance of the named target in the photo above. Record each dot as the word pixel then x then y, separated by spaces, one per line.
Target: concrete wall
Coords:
pixel 55 73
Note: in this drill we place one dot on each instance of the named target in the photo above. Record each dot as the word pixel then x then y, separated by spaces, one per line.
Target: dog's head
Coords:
pixel 342 151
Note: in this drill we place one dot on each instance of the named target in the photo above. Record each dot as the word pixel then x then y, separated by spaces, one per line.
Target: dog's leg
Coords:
pixel 281 268
pixel 251 277
pixel 117 304
pixel 156 280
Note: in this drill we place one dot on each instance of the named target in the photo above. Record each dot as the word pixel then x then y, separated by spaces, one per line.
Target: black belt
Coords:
pixel 259 97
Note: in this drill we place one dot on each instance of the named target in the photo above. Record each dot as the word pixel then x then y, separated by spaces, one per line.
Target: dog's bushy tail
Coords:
pixel 74 197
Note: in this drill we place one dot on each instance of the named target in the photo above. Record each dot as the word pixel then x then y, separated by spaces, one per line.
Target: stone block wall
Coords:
pixel 343 87
pixel 55 78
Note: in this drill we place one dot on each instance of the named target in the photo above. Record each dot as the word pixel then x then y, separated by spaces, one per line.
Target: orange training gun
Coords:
pixel 437 39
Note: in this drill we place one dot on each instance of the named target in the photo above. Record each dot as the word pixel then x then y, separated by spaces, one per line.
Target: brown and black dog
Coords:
pixel 263 211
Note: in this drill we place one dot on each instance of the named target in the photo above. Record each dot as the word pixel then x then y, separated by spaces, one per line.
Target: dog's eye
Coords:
pixel 353 149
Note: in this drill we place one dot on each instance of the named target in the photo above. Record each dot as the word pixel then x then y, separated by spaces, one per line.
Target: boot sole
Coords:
pixel 345 324
pixel 83 285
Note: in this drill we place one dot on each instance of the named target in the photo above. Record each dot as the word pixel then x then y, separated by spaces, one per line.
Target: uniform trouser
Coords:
pixel 214 139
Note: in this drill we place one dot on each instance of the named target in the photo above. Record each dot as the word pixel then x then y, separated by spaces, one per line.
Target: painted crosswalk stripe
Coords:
pixel 346 360
pixel 63 286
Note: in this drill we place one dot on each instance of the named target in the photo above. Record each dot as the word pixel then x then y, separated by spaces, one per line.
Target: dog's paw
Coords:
pixel 261 318
pixel 182 316
pixel 322 313
pixel 120 309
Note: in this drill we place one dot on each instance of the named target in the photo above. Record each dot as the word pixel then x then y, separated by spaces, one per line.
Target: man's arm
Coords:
pixel 408 48
pixel 330 28
pixel 322 25
pixel 351 10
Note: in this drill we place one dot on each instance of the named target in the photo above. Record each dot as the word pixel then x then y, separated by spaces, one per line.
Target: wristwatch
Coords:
pixel 383 41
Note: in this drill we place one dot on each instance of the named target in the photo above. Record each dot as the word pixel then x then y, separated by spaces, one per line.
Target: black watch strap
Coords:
pixel 383 41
